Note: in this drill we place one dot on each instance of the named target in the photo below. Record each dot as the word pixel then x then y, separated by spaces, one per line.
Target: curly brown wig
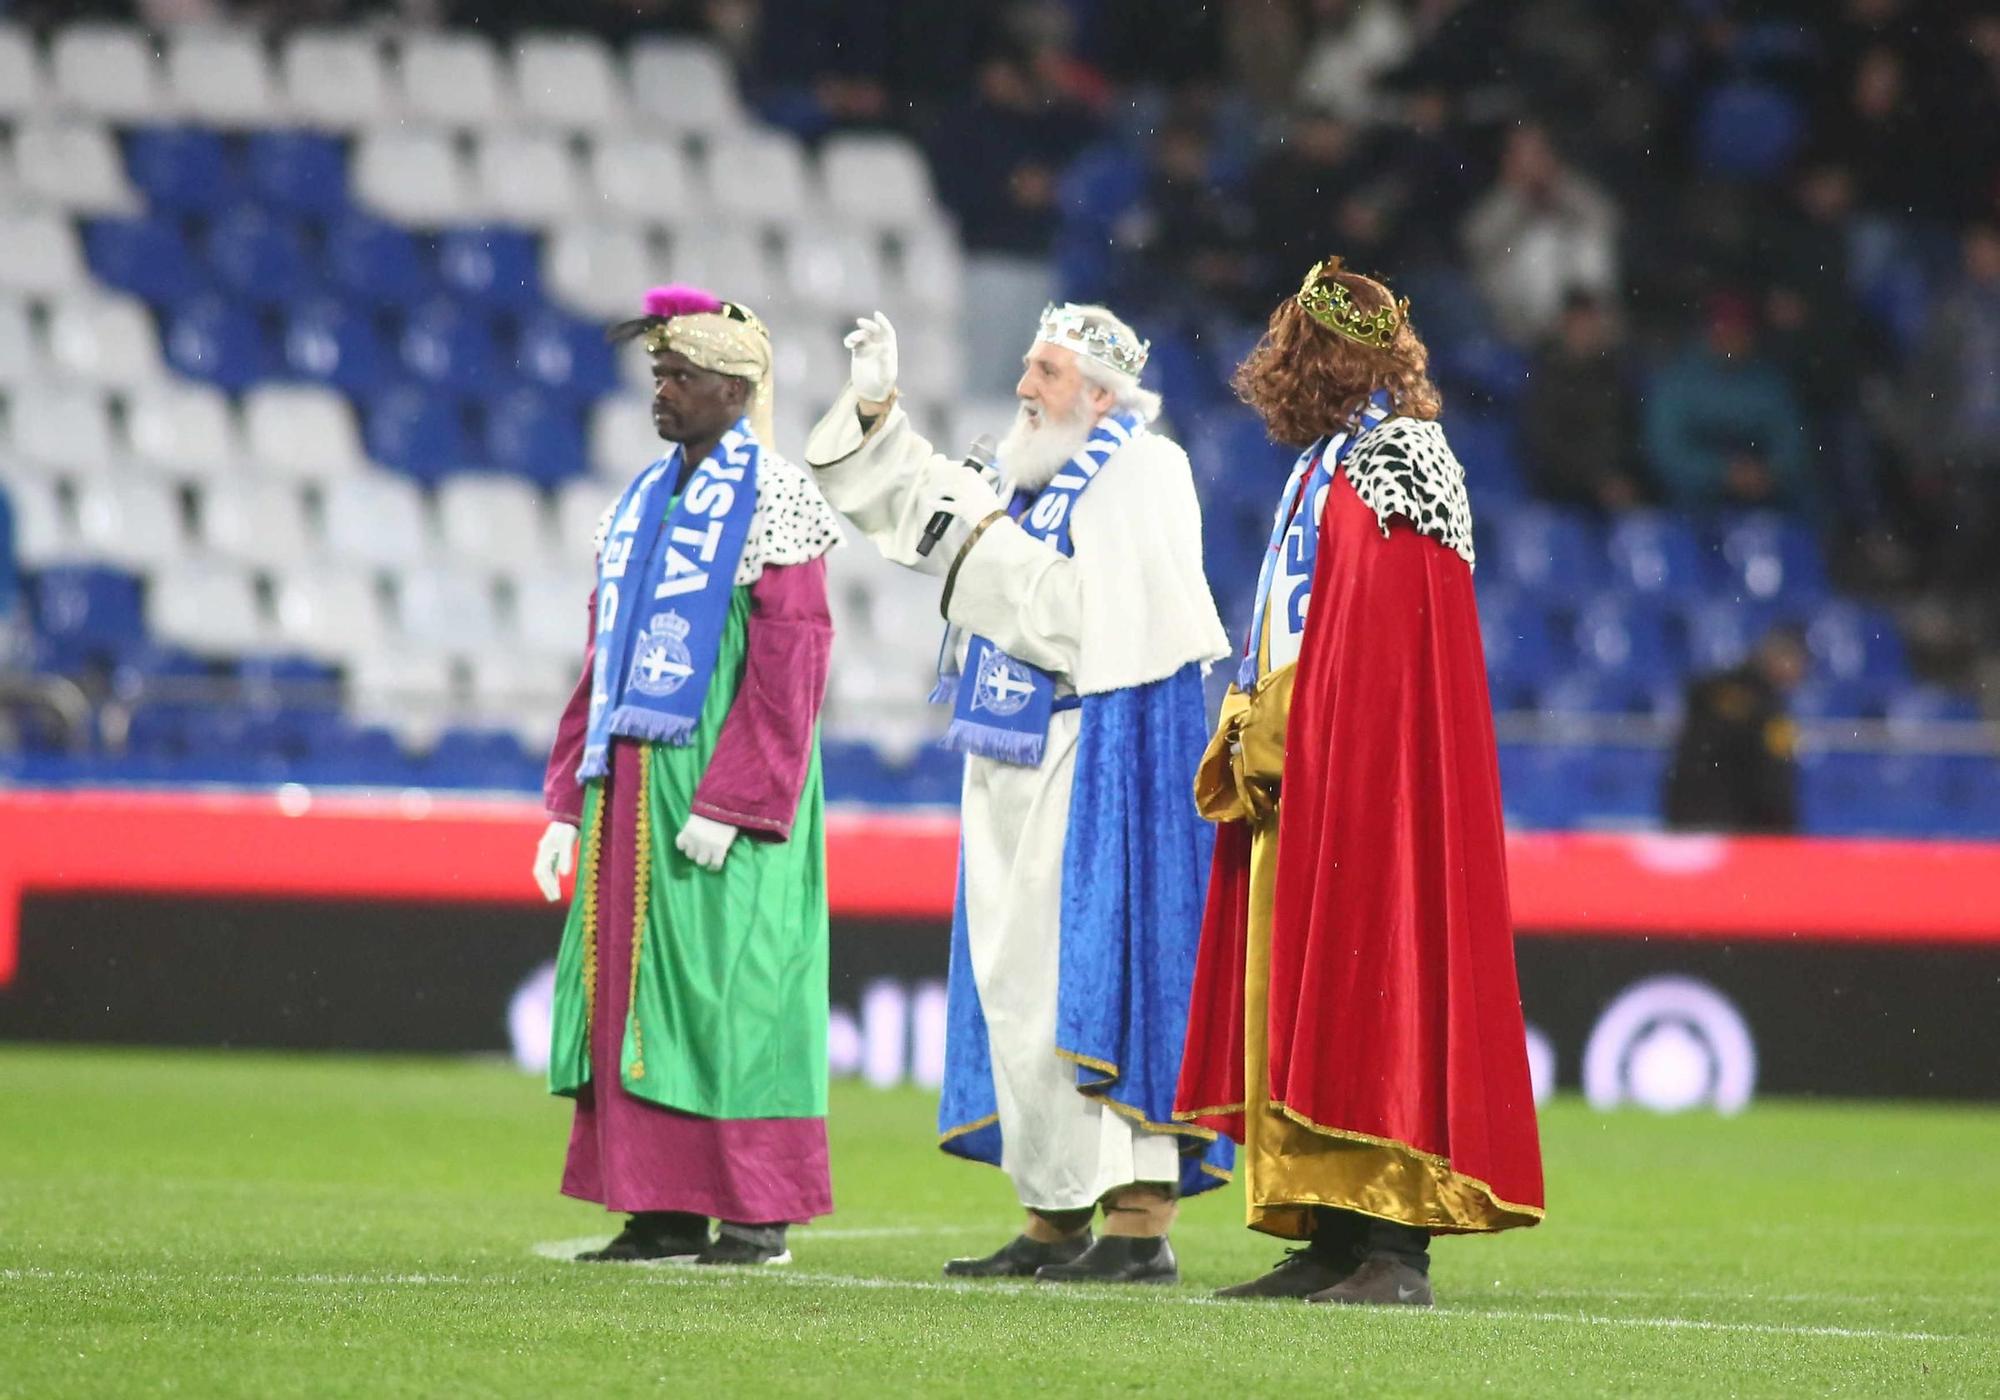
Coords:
pixel 1307 381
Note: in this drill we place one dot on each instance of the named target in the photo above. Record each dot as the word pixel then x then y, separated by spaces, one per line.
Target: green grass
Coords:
pixel 238 1224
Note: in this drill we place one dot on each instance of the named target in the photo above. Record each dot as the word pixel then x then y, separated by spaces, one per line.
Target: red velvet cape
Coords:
pixel 1394 1008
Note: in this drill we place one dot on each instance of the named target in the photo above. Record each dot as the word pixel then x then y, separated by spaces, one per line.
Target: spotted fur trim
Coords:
pixel 792 523
pixel 1403 467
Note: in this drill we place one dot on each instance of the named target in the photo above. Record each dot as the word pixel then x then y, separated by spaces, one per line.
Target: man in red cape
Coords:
pixel 1356 1023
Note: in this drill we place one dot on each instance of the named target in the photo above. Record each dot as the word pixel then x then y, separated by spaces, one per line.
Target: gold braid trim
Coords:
pixel 593 851
pixel 642 858
pixel 1429 1159
pixel 963 1128
pixel 1126 1110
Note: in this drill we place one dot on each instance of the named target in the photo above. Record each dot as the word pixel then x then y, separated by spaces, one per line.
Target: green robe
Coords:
pixel 730 982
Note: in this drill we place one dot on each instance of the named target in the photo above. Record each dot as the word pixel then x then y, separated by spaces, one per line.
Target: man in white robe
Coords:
pixel 1125 626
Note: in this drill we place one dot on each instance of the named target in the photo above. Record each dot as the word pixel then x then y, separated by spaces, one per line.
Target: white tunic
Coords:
pixel 1129 606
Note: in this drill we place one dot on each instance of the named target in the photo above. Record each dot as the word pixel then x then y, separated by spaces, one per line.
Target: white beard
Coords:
pixel 1030 456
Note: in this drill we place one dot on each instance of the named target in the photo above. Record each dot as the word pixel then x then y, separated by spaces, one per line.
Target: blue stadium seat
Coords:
pixel 566 356
pixel 148 257
pixel 1917 705
pixel 1538 787
pixel 334 343
pixel 417 431
pixel 1833 698
pixel 1485 443
pixel 1523 645
pixel 1850 641
pixel 218 341
pixel 1589 691
pixel 1231 453
pixel 261 258
pixel 1723 630
pixel 1748 130
pixel 181 169
pixel 1630 637
pixel 1551 550
pixel 354 756
pixel 86 608
pixel 301 172
pixel 379 263
pixel 1839 793
pixel 498 266
pixel 450 345
pixel 479 758
pixel 1619 784
pixel 535 436
pixel 1769 557
pixel 1658 553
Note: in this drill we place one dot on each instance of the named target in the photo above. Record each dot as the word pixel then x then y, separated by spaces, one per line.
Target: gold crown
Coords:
pixel 1328 303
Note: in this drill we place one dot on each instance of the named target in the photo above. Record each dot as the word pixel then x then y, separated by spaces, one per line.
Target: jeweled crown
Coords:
pixel 1328 303
pixel 1071 325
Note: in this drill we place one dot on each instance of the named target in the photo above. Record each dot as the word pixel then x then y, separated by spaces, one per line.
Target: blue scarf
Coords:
pixel 1294 547
pixel 656 648
pixel 1002 705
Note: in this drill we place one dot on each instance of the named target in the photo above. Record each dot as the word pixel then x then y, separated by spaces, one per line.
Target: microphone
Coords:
pixel 978 458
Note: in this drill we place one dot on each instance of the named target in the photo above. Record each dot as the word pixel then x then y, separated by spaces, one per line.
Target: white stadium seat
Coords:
pixel 22 91
pixel 837 272
pixel 62 425
pixel 530 180
pixel 552 612
pixel 20 353
pixel 646 180
pixel 302 431
pixel 453 79
pixel 73 165
pixel 597 270
pixel 507 683
pixel 684 85
pixel 184 428
pixel 336 78
pixel 759 177
pixel 207 606
pixel 330 612
pixel 812 369
pixel 39 253
pixel 133 522
pixel 933 361
pixel 737 268
pixel 569 81
pixel 877 181
pixel 491 520
pixel 221 77
pixel 407 689
pixel 930 272
pixel 374 518
pixel 257 522
pixel 105 340
pixel 107 70
pixel 622 440
pixel 449 607
pixel 413 177
pixel 43 531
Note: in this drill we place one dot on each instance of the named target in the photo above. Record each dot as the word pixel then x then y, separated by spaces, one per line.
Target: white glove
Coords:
pixel 555 857
pixel 872 343
pixel 961 493
pixel 705 842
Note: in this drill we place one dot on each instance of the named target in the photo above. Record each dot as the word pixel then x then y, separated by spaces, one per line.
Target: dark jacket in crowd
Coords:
pixel 1733 768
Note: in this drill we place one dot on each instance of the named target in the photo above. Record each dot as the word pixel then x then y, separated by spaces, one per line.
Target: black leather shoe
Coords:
pixel 1302 1273
pixel 1020 1257
pixel 668 1235
pixel 734 1249
pixel 1118 1259
pixel 1380 1281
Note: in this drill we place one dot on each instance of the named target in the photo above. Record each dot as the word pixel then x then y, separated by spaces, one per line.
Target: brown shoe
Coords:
pixel 1380 1280
pixel 1302 1273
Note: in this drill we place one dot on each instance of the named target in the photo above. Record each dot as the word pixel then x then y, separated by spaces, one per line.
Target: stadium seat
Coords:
pixel 597 270
pixel 551 608
pixel 183 170
pixel 1633 639
pixel 1522 644
pixel 416 432
pixel 684 85
pixel 88 606
pixel 642 179
pixel 491 264
pixel 374 518
pixel 453 79
pixel 1748 130
pixel 491 521
pixel 20 347
pixel 208 606
pixel 935 368
pixel 878 182
pixel 1722 631
pixel 378 263
pixel 260 258
pixel 72 165
pixel 130 522
pixel 1770 557
pixel 480 759
pixel 220 77
pixel 569 81
pixel 184 429
pixel 759 178
pixel 298 172
pixel 344 755
pixel 930 272
pixel 214 340
pixel 104 340
pixel 412 177
pixel 332 342
pixel 565 356
pixel 64 426
pixel 526 179
pixel 1551 550
pixel 450 345
pixel 43 531
pixel 147 256
pixel 405 690
pixel 330 613
pixel 106 71
pixel 450 607
pixel 738 264
pixel 1912 710
pixel 837 273
pixel 336 78
pixel 622 440
pixel 1658 554
pixel 1591 691
pixel 1822 698
pixel 302 431
pixel 536 436
pixel 39 253
pixel 1850 641
pixel 257 522
pixel 22 91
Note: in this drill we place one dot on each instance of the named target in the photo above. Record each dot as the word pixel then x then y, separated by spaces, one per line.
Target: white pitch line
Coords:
pixel 807 1234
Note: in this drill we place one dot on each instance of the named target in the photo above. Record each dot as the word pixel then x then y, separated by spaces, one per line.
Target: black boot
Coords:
pixel 654 1234
pixel 1020 1257
pixel 747 1244
pixel 1329 1257
pixel 1395 1269
pixel 1118 1259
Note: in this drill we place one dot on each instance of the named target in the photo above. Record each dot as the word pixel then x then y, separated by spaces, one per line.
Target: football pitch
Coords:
pixel 234 1224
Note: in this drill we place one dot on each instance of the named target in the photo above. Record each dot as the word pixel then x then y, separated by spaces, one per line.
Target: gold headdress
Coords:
pixel 731 341
pixel 1328 303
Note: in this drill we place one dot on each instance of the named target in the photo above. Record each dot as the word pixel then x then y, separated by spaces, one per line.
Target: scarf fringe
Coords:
pixel 633 722
pixel 945 692
pixel 1003 745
